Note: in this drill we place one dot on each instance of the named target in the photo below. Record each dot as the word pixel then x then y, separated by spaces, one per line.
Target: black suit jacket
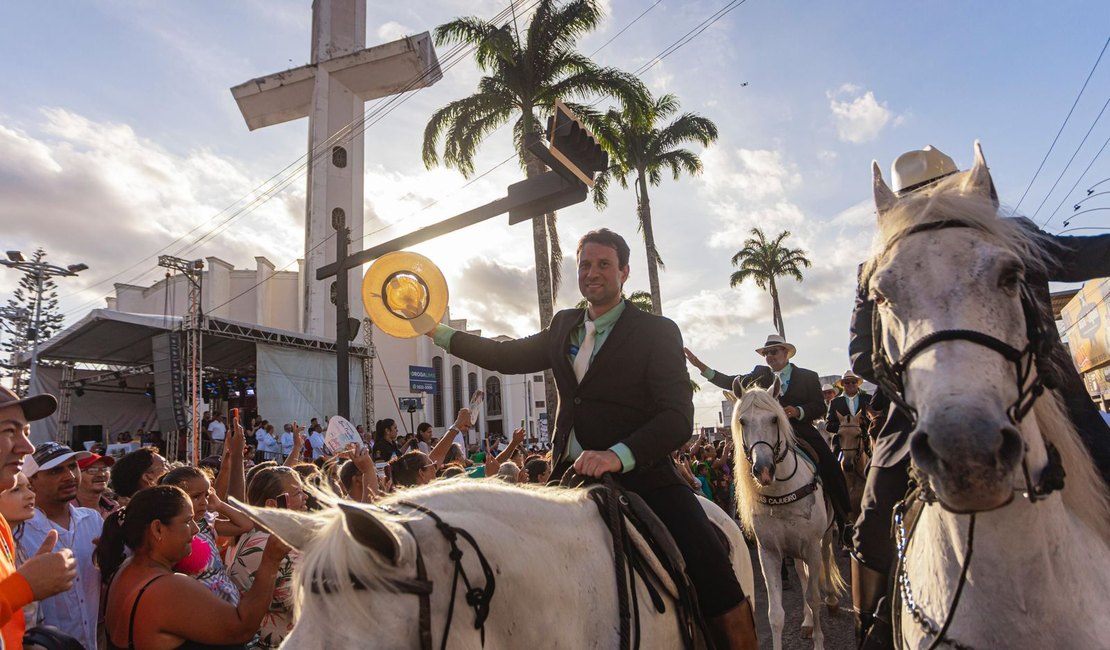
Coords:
pixel 1071 259
pixel 804 390
pixel 840 405
pixel 637 390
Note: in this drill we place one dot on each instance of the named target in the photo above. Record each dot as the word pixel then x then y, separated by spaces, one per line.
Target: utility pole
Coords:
pixel 42 272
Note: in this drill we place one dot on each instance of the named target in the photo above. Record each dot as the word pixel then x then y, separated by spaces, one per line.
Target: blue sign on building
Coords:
pixel 423 379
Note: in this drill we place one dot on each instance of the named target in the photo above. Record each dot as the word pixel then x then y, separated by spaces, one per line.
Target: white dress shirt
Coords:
pixel 76 611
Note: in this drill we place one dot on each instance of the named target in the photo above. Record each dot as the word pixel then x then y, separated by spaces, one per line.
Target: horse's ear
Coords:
pixel 294 528
pixel 371 532
pixel 978 180
pixel 737 387
pixel 730 396
pixel 884 198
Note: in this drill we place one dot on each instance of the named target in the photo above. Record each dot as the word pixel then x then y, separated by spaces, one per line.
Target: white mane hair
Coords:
pixel 753 398
pixel 334 554
pixel 1086 492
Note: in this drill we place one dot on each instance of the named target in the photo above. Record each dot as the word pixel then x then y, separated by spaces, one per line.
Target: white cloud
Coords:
pixel 98 193
pixel 659 79
pixel 393 30
pixel 859 117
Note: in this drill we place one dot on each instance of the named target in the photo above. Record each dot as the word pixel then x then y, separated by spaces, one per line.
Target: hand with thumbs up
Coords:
pixel 49 572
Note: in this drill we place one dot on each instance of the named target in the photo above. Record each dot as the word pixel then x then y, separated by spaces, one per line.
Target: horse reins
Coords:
pixel 477 598
pixel 890 376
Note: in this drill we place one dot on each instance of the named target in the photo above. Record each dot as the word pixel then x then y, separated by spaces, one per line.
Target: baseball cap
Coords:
pixel 93 458
pixel 49 455
pixel 34 408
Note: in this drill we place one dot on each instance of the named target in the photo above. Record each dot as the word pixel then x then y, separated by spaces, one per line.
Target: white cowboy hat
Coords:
pixel 827 387
pixel 916 169
pixel 777 341
pixel 848 374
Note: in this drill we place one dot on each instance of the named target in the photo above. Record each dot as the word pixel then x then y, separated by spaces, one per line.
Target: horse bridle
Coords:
pixel 478 598
pixel 890 375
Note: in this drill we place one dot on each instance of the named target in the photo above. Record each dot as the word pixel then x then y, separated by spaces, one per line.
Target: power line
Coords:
pixel 618 34
pixel 1076 184
pixel 1068 117
pixel 1072 159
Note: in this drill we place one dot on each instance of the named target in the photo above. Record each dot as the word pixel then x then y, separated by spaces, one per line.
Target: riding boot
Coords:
pixel 869 599
pixel 735 629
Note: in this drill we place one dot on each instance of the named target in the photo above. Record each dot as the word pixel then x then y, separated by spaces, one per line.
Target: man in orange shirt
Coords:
pixel 46 573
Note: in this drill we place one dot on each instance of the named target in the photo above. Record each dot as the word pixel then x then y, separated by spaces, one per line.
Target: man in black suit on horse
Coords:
pixel 799 392
pixel 849 404
pixel 625 403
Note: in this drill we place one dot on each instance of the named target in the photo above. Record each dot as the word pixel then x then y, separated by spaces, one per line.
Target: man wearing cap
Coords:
pixel 851 403
pixel 799 392
pixel 55 478
pixel 47 572
pixel 1075 259
pixel 625 404
pixel 93 491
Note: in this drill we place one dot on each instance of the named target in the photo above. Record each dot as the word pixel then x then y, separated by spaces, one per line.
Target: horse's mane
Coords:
pixel 1086 493
pixel 334 554
pixel 753 398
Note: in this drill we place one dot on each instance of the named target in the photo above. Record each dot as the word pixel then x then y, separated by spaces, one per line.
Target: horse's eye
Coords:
pixel 742 422
pixel 1011 278
pixel 774 419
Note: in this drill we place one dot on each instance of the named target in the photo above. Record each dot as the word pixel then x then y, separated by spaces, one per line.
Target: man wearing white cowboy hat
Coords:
pixel 853 401
pixel 1076 259
pixel 799 392
pixel 46 572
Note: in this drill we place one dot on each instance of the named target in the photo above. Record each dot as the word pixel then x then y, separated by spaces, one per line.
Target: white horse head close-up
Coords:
pixel 781 502
pixel 354 585
pixel 962 342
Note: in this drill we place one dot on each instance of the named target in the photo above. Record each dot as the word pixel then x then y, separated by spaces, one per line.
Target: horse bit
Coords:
pixel 891 378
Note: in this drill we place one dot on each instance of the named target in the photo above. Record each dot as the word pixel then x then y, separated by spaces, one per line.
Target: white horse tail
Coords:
pixel 831 578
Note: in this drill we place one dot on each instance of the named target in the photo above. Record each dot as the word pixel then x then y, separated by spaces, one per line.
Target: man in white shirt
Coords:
pixel 287 440
pixel 55 477
pixel 216 431
pixel 316 440
pixel 268 446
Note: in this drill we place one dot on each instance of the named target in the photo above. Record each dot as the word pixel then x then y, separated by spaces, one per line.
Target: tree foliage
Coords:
pixel 641 149
pixel 762 260
pixel 20 332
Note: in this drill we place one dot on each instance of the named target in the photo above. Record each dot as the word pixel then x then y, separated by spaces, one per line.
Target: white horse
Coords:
pixel 548 549
pixel 1024 565
pixel 781 503
pixel 853 458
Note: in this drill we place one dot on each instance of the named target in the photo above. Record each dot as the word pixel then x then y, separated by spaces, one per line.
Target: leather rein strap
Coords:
pixel 477 598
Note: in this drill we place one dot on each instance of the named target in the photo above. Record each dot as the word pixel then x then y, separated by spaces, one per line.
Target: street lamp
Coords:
pixel 42 272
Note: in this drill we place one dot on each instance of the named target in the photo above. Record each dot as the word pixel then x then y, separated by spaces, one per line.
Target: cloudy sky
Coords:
pixel 120 140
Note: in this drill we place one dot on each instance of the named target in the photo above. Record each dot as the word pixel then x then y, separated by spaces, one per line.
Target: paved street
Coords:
pixel 839 632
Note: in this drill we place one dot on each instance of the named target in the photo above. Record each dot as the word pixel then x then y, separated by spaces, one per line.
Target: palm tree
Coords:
pixel 763 261
pixel 521 77
pixel 639 148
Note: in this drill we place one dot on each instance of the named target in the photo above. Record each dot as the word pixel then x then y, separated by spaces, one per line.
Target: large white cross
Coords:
pixel 331 91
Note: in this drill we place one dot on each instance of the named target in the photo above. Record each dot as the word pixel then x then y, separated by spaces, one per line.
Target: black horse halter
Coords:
pixel 890 375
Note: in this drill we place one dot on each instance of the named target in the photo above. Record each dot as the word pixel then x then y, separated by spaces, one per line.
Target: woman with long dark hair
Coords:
pixel 175 610
pixel 385 441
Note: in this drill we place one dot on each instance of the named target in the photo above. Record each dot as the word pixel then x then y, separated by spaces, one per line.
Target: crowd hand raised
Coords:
pixel 694 360
pixel 518 437
pixel 49 572
pixel 462 422
pixel 492 466
pixel 597 463
pixel 363 460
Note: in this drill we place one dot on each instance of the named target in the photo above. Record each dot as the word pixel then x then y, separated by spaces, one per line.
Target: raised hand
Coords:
pixel 518 436
pixel 694 360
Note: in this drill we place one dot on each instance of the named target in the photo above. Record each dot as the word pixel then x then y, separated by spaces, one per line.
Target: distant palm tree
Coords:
pixel 641 149
pixel 762 261
pixel 525 73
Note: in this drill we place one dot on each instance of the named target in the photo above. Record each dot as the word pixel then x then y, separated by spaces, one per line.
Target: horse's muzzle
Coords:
pixel 970 461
